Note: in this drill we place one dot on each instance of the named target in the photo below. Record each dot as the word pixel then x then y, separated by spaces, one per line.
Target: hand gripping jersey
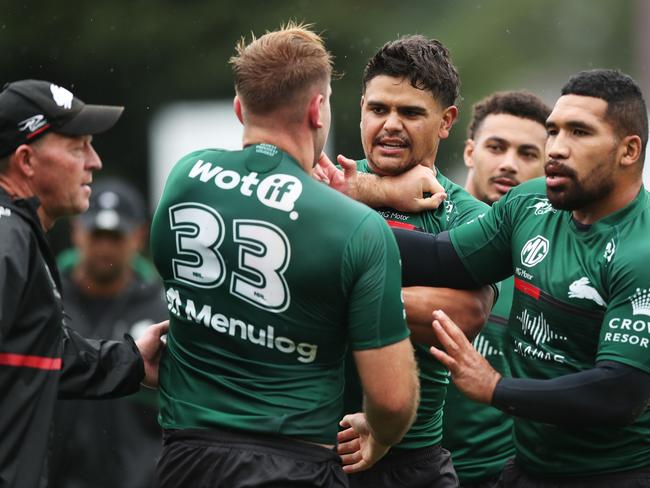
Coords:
pixel 458 208
pixel 270 276
pixel 582 295
pixel 479 436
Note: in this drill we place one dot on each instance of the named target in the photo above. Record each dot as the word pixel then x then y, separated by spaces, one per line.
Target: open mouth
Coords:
pixel 557 175
pixel 391 146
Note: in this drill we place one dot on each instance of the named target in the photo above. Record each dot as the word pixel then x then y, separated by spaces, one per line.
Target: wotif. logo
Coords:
pixel 279 191
pixel 534 251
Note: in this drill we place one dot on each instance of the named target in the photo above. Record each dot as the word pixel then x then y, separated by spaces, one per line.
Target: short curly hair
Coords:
pixel 626 108
pixel 518 103
pixel 426 63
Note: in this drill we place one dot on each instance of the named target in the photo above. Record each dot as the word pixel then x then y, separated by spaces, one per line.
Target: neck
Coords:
pixel 469 185
pixel 618 198
pixel 94 288
pixel 294 140
pixel 21 189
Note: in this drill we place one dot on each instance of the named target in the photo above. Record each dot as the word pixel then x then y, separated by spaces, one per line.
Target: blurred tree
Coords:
pixel 145 53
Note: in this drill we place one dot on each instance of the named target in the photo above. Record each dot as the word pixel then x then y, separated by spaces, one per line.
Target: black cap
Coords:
pixel 31 108
pixel 114 206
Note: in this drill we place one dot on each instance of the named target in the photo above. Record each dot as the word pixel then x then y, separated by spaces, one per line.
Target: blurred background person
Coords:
pixel 109 290
pixel 504 147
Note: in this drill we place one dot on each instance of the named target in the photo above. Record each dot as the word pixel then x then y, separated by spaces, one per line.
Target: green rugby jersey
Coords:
pixel 458 208
pixel 267 288
pixel 582 295
pixel 479 436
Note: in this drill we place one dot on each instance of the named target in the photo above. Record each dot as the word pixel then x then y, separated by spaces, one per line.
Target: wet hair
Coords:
pixel 426 63
pixel 278 68
pixel 517 103
pixel 626 109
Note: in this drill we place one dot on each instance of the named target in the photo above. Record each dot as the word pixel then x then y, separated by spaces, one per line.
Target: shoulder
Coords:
pixel 15 231
pixel 457 193
pixel 362 166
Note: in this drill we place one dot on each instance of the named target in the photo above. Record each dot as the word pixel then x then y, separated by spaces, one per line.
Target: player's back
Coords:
pixel 262 267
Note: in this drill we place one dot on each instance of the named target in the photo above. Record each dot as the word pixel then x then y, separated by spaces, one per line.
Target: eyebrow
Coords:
pixel 571 124
pixel 401 108
pixel 528 147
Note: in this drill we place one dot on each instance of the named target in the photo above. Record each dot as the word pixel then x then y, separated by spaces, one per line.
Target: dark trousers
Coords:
pixel 512 476
pixel 222 458
pixel 429 467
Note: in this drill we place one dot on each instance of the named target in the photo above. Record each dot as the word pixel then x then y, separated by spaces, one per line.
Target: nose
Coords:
pixel 509 162
pixel 93 162
pixel 556 146
pixel 393 122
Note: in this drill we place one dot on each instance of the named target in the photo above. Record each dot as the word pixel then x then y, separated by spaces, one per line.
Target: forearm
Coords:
pixel 469 309
pixel 369 189
pixel 99 369
pixel 391 389
pixel 610 393
pixel 388 426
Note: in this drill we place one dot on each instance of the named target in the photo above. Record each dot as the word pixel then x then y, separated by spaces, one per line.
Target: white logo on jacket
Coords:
pixel 582 289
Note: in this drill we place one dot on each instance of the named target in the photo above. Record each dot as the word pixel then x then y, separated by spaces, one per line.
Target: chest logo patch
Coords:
pixel 5 212
pixel 610 249
pixel 534 251
pixel 641 302
pixel 582 289
pixel 543 206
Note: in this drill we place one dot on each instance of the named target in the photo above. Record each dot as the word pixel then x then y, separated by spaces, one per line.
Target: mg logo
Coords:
pixel 534 251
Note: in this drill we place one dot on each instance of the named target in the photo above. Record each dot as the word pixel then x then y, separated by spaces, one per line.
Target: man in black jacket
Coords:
pixel 109 289
pixel 46 166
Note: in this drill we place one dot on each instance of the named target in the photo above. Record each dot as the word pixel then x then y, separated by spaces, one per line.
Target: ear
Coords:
pixel 630 150
pixel 236 105
pixel 314 110
pixel 468 152
pixel 23 160
pixel 449 116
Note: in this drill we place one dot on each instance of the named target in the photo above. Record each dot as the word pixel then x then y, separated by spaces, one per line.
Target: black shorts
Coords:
pixel 429 467
pixel 212 458
pixel 512 476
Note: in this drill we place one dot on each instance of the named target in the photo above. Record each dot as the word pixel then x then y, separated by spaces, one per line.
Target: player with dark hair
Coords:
pixel 407 108
pixel 505 147
pixel 579 329
pixel 268 286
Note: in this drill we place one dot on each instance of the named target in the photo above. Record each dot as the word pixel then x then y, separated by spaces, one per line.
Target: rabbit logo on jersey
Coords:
pixel 279 191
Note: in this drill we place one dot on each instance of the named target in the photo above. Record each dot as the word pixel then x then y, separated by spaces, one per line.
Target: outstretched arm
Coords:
pixel 609 393
pixel 405 192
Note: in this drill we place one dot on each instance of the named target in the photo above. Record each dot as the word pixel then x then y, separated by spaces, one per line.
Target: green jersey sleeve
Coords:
pixel 372 274
pixel 483 243
pixel 625 331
